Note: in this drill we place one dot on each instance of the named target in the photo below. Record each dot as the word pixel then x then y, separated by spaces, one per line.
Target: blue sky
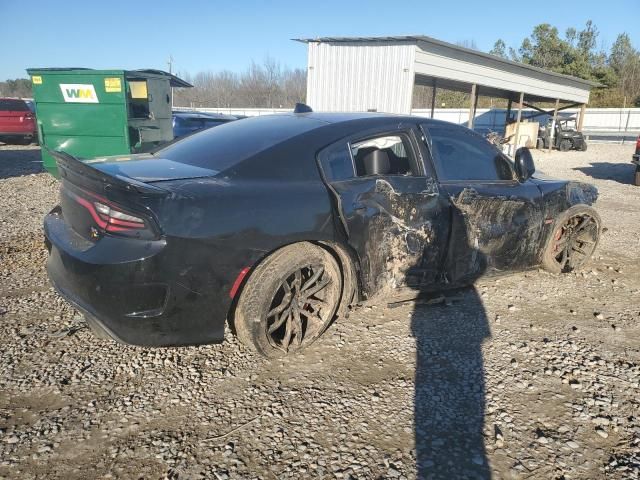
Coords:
pixel 217 35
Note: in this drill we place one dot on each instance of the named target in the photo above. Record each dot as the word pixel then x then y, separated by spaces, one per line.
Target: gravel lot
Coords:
pixel 527 376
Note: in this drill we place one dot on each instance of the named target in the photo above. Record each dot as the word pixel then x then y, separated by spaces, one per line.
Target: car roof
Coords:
pixel 366 118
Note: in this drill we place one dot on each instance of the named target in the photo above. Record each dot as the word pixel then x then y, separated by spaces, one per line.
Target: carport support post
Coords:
pixel 433 98
pixel 583 108
pixel 473 101
pixel 508 116
pixel 552 134
pixel 518 118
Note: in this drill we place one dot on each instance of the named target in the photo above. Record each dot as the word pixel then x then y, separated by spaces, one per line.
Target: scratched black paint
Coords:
pixel 388 231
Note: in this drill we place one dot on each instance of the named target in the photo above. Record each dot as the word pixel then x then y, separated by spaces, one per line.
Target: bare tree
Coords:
pixel 261 85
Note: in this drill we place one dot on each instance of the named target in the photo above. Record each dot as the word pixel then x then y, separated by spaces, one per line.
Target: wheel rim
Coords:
pixel 301 308
pixel 575 241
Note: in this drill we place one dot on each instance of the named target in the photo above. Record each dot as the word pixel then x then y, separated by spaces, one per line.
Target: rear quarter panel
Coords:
pixel 215 228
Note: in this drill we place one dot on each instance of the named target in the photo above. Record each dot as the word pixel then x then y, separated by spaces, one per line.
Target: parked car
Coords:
pixel 636 159
pixel 279 223
pixel 185 122
pixel 17 122
pixel 566 136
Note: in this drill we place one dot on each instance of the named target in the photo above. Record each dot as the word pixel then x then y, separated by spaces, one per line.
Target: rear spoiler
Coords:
pixel 70 166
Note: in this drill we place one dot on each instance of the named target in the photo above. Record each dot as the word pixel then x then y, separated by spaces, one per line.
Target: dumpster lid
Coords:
pixel 173 80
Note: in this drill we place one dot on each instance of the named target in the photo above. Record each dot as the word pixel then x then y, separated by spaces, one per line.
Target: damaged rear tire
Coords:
pixel 289 300
pixel 573 240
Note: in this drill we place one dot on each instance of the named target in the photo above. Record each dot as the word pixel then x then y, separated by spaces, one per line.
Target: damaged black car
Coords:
pixel 276 225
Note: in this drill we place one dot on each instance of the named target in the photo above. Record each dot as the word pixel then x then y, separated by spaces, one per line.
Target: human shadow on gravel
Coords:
pixel 449 402
pixel 618 172
pixel 18 161
pixel 449 399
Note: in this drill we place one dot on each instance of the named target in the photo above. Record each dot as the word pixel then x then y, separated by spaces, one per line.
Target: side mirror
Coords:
pixel 525 167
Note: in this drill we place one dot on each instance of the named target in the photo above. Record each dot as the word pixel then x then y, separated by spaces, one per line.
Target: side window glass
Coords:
pixel 336 164
pixel 461 155
pixel 385 155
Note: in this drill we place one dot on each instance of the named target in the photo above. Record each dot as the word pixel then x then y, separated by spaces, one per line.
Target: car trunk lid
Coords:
pixel 97 199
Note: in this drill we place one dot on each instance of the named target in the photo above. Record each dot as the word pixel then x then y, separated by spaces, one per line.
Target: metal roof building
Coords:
pixel 379 74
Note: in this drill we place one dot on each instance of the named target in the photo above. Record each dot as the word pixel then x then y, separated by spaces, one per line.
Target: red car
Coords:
pixel 17 122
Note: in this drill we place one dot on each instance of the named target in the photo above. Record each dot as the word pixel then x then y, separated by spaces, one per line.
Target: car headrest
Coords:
pixel 377 163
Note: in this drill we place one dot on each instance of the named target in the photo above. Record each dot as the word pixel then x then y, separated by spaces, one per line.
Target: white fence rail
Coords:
pixel 606 121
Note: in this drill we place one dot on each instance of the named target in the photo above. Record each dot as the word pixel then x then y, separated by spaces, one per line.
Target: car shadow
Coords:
pixel 618 172
pixel 16 161
pixel 449 400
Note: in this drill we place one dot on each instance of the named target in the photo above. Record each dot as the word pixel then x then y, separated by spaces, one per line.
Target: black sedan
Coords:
pixel 278 224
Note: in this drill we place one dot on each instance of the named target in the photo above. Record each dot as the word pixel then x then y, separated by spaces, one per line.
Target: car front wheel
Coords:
pixel 574 239
pixel 289 300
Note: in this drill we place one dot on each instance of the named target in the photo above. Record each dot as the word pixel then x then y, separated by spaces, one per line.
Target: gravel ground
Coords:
pixel 527 376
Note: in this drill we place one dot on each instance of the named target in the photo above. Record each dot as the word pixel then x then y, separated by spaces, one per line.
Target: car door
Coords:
pixel 394 218
pixel 496 221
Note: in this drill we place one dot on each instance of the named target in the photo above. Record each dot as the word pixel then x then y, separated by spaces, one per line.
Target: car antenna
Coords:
pixel 302 108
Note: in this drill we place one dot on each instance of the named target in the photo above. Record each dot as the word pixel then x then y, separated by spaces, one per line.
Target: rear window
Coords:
pixel 227 145
pixel 14 105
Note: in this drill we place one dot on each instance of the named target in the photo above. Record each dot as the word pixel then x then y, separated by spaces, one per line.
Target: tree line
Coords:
pixel 261 85
pixel 269 84
pixel 576 53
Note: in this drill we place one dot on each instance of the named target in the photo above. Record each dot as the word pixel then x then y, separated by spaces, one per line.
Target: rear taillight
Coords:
pixel 638 143
pixel 113 219
pixel 29 116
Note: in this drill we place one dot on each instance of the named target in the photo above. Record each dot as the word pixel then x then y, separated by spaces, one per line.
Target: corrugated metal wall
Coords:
pixel 360 77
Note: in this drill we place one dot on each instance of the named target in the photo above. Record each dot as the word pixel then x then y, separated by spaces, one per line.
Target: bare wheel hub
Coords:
pixel 575 241
pixel 300 308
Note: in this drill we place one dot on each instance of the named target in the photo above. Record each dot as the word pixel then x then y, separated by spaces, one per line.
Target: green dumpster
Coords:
pixel 91 113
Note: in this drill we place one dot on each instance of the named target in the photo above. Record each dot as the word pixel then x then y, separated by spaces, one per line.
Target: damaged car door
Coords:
pixel 496 220
pixel 393 214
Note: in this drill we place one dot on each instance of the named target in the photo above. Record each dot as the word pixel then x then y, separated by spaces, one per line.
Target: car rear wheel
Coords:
pixel 289 300
pixel 583 146
pixel 573 241
pixel 565 145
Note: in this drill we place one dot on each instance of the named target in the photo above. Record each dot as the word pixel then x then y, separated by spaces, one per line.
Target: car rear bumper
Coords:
pixel 28 134
pixel 125 289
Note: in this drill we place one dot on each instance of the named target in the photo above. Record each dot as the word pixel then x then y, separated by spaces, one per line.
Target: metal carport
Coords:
pixel 379 74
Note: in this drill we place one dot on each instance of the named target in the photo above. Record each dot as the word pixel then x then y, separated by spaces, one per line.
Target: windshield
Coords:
pixel 227 145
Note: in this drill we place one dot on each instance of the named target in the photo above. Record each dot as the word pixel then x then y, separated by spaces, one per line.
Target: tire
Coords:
pixel 269 320
pixel 636 177
pixel 565 145
pixel 583 146
pixel 572 242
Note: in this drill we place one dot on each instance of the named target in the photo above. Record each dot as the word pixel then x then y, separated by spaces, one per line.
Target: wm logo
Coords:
pixel 78 93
